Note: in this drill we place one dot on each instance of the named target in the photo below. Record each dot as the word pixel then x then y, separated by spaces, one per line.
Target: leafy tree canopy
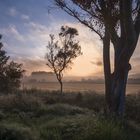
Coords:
pixel 10 72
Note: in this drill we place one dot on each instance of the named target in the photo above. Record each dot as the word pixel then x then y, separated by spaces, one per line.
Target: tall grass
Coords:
pixel 44 115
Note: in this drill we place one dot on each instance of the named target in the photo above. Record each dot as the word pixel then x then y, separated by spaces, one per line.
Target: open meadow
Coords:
pixel 46 115
pixel 77 86
pixel 70 70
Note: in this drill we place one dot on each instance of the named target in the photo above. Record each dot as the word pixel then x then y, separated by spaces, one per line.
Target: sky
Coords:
pixel 26 25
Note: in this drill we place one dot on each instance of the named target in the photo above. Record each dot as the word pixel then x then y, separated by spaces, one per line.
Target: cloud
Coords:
pixel 12 11
pixel 97 63
pixel 25 17
pixel 32 64
pixel 12 32
pixel 33 42
pixel 135 59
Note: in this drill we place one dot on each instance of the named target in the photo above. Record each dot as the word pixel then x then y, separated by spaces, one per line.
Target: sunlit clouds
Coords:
pixel 26 27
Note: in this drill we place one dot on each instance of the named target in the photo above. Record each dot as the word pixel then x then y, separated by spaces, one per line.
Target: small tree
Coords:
pixel 61 54
pixel 10 72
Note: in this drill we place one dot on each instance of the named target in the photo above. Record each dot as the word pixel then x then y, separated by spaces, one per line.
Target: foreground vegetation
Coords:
pixel 43 115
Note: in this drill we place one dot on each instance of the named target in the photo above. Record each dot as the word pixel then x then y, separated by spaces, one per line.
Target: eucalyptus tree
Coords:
pixel 116 22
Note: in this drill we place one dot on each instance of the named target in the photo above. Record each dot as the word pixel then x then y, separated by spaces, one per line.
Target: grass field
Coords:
pixel 46 115
pixel 79 86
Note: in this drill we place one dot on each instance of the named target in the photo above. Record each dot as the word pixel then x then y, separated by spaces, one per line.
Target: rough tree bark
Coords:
pixel 107 68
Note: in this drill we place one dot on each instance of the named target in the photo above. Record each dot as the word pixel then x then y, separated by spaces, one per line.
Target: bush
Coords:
pixel 52 134
pixel 133 107
pixel 10 73
pixel 20 103
pixel 64 109
pixel 85 128
pixel 15 132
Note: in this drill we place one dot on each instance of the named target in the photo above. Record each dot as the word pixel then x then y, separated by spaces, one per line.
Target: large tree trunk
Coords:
pixel 107 69
pixel 119 81
pixel 124 47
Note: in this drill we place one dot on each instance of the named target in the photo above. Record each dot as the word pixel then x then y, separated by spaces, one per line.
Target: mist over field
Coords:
pixel 69 70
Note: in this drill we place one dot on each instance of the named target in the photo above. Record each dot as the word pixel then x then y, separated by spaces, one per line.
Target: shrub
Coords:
pixel 15 132
pixel 133 107
pixel 21 102
pixel 65 109
pixel 85 128
pixel 10 73
pixel 52 134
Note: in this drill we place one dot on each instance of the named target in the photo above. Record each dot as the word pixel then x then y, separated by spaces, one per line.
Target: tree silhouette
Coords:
pixel 60 54
pixel 10 72
pixel 116 21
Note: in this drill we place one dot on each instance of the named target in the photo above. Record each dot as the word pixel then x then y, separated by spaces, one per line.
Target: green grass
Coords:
pixel 43 115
